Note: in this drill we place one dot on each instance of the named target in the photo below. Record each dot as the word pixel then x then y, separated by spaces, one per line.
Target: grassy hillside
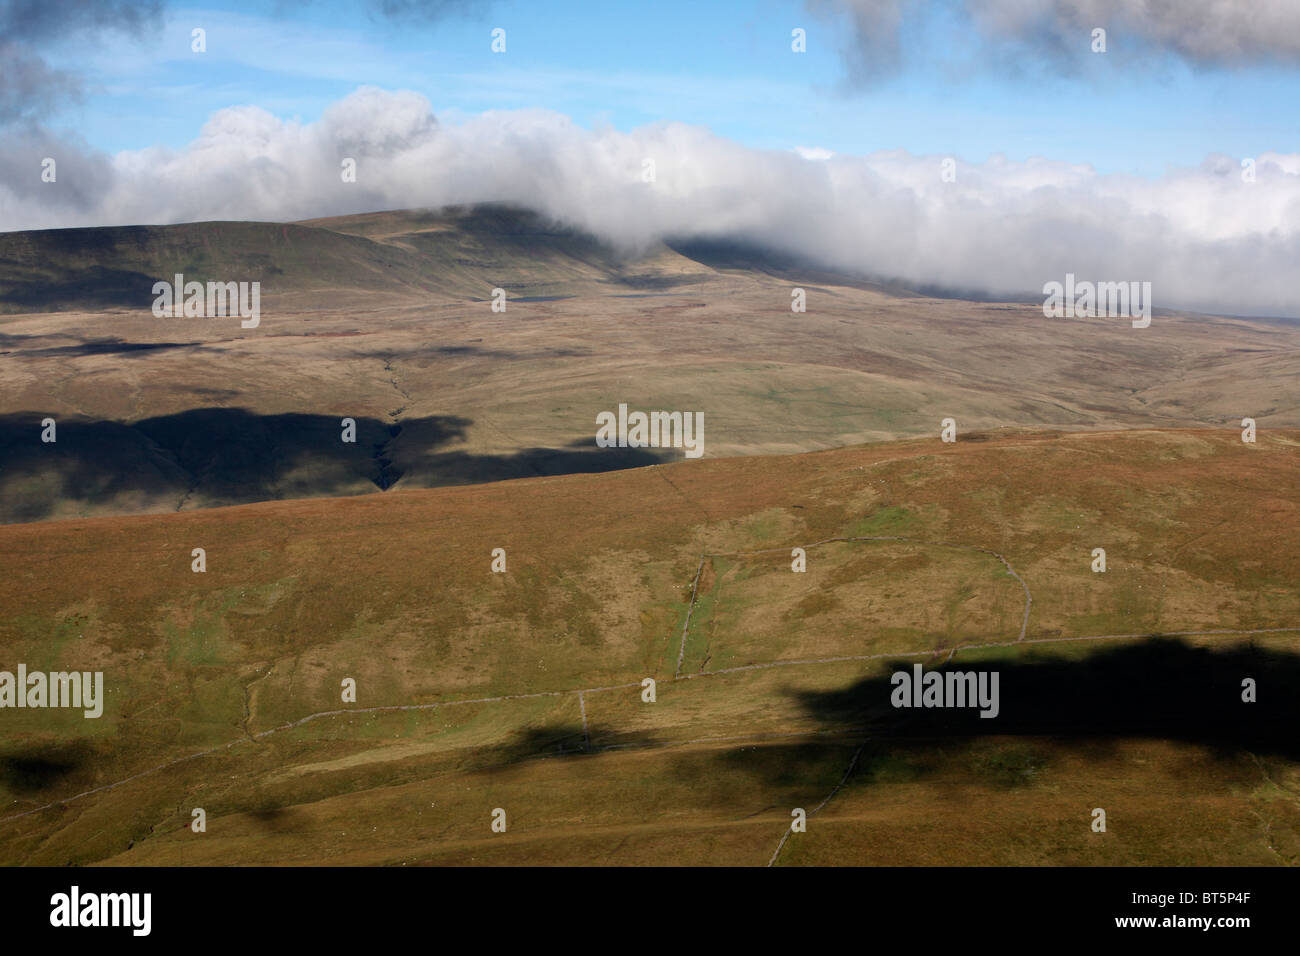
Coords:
pixel 468 680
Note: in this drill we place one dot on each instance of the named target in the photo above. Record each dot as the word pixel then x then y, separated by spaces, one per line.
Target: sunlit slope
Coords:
pixel 396 591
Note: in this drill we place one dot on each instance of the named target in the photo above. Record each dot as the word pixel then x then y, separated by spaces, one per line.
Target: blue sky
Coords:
pixel 724 64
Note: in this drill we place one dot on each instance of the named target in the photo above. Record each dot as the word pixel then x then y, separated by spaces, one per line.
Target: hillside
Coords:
pixel 522 690
pixel 391 257
pixel 386 319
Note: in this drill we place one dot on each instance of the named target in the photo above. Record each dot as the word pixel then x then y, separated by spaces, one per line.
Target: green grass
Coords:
pixel 890 520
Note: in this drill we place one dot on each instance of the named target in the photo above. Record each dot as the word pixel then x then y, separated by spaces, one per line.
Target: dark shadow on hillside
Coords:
pixel 559 739
pixel 105 346
pixel 82 290
pixel 198 458
pixel 275 819
pixel 55 270
pixel 431 352
pixel 1160 688
pixel 209 457
pixel 35 770
pixel 433 470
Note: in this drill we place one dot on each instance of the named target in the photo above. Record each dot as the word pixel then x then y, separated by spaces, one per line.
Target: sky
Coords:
pixel 1070 158
pixel 724 64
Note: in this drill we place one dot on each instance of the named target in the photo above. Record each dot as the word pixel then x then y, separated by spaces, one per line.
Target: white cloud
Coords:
pixel 814 152
pixel 1202 236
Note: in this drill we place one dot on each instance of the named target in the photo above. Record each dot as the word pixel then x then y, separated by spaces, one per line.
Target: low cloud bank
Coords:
pixel 1205 237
